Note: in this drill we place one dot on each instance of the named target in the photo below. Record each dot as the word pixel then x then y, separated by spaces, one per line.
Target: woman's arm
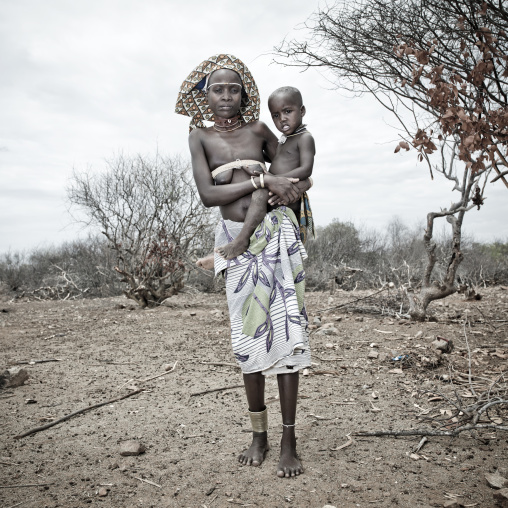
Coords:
pixel 220 195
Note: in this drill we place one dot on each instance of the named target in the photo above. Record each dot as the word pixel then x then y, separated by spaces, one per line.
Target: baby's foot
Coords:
pixel 255 454
pixel 289 464
pixel 207 262
pixel 233 249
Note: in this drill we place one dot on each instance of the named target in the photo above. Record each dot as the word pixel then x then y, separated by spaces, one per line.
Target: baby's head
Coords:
pixel 287 109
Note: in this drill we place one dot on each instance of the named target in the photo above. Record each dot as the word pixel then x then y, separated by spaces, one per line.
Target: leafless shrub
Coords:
pixel 46 273
pixel 148 209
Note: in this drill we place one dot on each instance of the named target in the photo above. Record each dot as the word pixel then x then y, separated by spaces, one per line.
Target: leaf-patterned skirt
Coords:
pixel 265 292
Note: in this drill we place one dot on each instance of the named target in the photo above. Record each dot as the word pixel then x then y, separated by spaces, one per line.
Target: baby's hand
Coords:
pixel 253 170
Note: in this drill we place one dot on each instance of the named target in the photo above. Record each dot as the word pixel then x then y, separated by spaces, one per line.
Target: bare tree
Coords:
pixel 149 210
pixel 440 69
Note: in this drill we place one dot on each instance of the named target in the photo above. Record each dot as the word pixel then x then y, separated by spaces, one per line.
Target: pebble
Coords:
pixel 501 497
pixel 446 346
pixel 103 492
pixel 496 481
pixel 373 355
pixel 316 321
pixel 452 503
pixel 132 447
pixel 13 377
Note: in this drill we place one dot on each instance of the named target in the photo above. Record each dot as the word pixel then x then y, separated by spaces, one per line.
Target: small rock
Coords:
pixel 338 318
pixel 13 377
pixel 329 506
pixel 496 481
pixel 103 492
pixel 442 344
pixel 316 321
pixel 132 447
pixel 329 345
pixel 192 313
pixel 373 355
pixel 501 498
pixel 452 503
pixel 419 334
pixel 305 372
pixel 331 331
pixel 167 366
pixel 360 319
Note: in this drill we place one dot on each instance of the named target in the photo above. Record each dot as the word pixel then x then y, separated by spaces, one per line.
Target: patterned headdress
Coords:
pixel 192 100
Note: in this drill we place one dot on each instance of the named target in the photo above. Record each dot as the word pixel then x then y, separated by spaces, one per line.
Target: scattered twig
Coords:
pixel 469 377
pixel 22 486
pixel 33 362
pixel 216 390
pixel 354 301
pixel 158 375
pixel 9 463
pixel 149 482
pixel 429 432
pixel 419 446
pixel 325 372
pixel 338 359
pixel 67 417
pixel 220 364
pixel 345 445
pixel 17 504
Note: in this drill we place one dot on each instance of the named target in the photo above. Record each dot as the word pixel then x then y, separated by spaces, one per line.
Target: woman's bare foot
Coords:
pixel 289 464
pixel 255 454
pixel 233 249
pixel 207 262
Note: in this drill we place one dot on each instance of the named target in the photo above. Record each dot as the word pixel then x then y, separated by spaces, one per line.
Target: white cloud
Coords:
pixel 81 81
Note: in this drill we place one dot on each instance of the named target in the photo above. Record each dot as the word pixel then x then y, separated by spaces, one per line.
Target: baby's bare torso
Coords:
pixel 286 159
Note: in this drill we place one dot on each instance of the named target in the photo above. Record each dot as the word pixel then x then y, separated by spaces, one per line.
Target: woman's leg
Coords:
pixel 289 465
pixel 255 391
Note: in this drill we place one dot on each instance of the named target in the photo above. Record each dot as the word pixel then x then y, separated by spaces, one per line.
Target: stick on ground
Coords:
pixel 24 485
pixel 67 417
pixel 216 390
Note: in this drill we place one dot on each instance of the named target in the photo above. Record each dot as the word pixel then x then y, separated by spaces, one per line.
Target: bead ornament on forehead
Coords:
pixel 223 84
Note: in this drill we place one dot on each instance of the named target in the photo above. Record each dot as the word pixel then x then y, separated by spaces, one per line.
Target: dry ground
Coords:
pixel 192 441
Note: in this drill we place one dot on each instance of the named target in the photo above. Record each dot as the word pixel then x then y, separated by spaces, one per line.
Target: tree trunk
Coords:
pixel 436 290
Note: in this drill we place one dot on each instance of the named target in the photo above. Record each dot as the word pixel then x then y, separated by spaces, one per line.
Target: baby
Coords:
pixel 294 159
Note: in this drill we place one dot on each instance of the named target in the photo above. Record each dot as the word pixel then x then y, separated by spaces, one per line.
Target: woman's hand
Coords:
pixel 301 187
pixel 282 188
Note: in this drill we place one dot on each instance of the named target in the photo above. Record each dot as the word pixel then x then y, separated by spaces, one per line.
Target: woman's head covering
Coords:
pixel 192 100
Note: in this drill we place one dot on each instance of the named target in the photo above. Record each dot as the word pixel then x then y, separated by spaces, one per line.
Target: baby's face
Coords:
pixel 224 93
pixel 286 113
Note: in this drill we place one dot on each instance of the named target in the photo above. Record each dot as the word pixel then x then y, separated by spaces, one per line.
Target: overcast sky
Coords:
pixel 81 81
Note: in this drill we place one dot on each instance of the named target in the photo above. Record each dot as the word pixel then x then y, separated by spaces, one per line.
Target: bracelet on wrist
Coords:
pixel 253 182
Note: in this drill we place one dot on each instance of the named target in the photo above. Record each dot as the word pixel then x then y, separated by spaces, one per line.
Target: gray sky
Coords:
pixel 82 81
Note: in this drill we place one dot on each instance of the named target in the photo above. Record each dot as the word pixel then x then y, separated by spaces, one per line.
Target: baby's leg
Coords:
pixel 255 214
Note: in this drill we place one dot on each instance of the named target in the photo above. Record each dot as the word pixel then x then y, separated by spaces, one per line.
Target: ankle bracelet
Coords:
pixel 289 424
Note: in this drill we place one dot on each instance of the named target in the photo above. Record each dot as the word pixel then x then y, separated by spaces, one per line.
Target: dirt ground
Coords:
pixel 107 346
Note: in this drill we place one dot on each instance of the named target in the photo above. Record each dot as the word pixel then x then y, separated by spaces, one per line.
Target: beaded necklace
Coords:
pixel 227 124
pixel 300 130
